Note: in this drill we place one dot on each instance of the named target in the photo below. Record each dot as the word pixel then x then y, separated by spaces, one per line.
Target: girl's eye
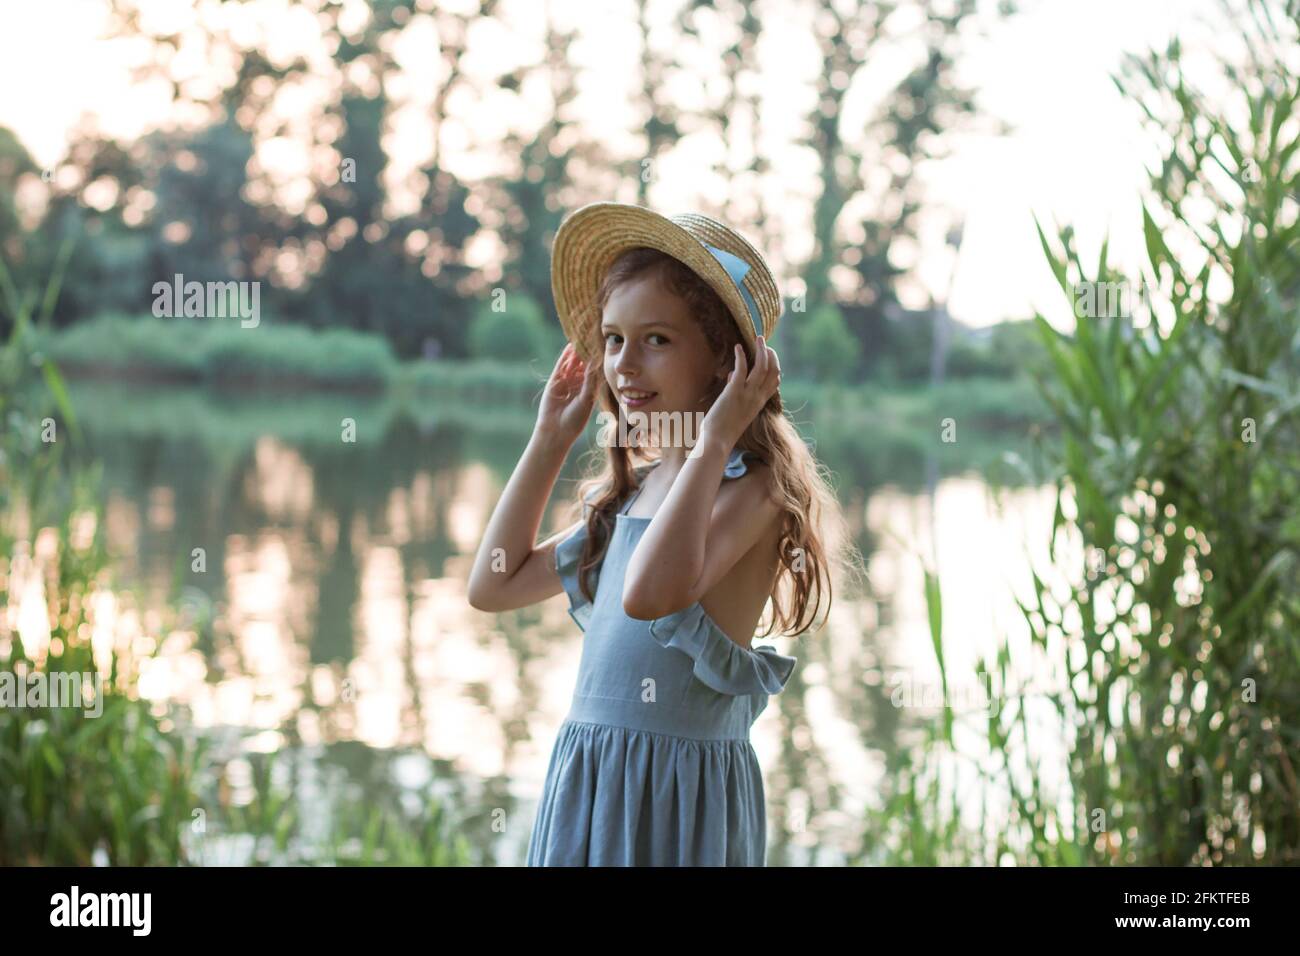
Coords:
pixel 615 338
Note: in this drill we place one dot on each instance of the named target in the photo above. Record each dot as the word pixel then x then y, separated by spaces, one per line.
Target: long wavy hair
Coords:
pixel 814 543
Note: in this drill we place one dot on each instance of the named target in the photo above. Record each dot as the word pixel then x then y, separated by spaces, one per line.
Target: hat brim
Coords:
pixel 592 238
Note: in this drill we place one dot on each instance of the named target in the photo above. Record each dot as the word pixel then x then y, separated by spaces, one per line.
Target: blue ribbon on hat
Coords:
pixel 737 268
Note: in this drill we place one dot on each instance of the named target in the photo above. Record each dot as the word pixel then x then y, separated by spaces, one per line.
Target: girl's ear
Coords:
pixel 726 362
pixel 723 369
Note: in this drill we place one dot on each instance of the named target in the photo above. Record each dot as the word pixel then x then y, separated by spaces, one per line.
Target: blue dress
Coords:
pixel 653 765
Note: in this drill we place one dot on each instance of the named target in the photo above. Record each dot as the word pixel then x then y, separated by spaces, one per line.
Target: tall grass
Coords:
pixel 1170 615
pixel 99 781
pixel 335 826
pixel 1180 477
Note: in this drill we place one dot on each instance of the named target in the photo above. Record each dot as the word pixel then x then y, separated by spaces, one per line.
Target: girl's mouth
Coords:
pixel 641 398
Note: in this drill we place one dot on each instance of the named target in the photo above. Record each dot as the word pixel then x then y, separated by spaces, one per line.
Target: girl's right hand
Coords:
pixel 568 399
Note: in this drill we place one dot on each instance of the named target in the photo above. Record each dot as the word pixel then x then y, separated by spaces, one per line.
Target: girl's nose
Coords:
pixel 627 360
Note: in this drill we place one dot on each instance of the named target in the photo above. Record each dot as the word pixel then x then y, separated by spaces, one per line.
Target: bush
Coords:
pixel 289 354
pixel 827 349
pixel 222 350
pixel 517 332
pixel 168 348
pixel 1005 350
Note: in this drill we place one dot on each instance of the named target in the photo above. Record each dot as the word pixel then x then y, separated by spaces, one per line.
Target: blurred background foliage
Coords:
pixel 199 198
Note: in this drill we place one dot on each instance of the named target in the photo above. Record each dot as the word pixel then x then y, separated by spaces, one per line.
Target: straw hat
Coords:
pixel 592 237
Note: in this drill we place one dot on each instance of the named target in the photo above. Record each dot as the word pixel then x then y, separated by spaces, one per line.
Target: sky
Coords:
pixel 1076 153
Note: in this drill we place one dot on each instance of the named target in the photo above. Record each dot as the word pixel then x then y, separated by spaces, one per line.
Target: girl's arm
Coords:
pixel 699 532
pixel 509 572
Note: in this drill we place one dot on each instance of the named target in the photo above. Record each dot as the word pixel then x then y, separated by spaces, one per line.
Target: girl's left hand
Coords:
pixel 746 392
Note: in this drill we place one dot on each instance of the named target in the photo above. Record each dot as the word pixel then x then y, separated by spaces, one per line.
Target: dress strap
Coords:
pixel 735 467
pixel 631 498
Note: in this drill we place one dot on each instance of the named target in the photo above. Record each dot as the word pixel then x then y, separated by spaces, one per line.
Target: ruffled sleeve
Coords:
pixel 720 662
pixel 735 466
pixel 568 555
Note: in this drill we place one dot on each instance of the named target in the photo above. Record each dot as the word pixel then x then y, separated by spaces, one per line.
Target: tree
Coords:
pixel 876 168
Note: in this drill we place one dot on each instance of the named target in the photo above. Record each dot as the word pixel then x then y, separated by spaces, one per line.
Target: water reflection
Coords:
pixel 324 585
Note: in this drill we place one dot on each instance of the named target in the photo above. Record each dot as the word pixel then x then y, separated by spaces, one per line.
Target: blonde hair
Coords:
pixel 814 543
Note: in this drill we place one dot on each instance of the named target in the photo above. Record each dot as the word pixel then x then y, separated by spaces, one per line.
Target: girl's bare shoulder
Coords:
pixel 756 485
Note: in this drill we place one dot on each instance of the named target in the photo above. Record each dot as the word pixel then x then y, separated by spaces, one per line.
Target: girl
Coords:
pixel 680 547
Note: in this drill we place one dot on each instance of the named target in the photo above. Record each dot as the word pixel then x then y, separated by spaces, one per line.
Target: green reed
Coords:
pixel 1169 619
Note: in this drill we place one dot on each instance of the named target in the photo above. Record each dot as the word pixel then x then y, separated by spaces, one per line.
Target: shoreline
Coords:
pixel 282 360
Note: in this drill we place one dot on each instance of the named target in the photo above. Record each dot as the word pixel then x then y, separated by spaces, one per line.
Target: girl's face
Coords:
pixel 654 344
